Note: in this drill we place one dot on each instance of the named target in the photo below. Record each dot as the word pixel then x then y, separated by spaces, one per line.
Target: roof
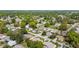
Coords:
pixel 27 26
pixel 49 45
pixel 4 37
pixel 11 43
pixel 18 46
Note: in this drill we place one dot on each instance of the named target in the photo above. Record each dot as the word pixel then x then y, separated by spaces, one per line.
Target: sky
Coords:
pixel 39 4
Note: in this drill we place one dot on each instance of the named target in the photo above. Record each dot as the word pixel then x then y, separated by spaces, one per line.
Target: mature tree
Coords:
pixel 47 24
pixel 73 38
pixel 6 46
pixel 16 35
pixel 24 31
pixel 44 33
pixel 34 44
pixel 23 23
pixel 63 25
pixel 33 23
pixel 3 28
pixel 13 20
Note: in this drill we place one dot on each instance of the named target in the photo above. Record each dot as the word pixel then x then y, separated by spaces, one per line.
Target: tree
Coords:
pixel 16 35
pixel 34 44
pixel 3 28
pixel 24 31
pixel 73 38
pixel 47 24
pixel 13 20
pixel 63 25
pixel 33 24
pixel 6 46
pixel 44 33
pixel 2 43
pixel 22 24
pixel 74 16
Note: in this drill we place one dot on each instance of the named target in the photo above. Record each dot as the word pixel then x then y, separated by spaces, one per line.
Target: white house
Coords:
pixel 27 36
pixel 18 20
pixel 54 40
pixel 18 46
pixel 77 30
pixel 4 37
pixel 27 26
pixel 60 38
pixel 48 34
pixel 49 45
pixel 11 43
pixel 34 31
pixel 57 24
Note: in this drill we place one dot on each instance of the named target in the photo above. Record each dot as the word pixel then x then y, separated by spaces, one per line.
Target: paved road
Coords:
pixel 38 35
